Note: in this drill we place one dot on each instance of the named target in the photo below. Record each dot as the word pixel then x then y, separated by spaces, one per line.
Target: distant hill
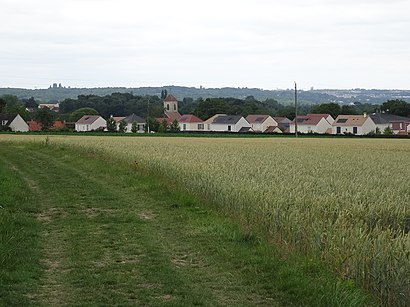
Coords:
pixel 282 96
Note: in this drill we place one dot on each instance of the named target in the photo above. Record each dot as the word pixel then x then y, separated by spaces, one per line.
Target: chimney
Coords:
pixel 364 114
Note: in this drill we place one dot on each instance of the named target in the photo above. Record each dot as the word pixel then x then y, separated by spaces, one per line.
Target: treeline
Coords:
pixel 123 104
pixel 285 97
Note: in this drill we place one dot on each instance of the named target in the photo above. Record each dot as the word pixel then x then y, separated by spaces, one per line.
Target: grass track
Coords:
pixel 96 232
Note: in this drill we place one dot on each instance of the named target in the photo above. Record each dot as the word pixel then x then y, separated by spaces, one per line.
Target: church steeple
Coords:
pixel 170 105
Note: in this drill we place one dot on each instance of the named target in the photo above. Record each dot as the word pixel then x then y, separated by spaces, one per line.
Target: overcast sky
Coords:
pixel 214 43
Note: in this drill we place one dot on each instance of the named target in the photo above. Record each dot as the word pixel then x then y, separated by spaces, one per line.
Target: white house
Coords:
pixel 189 122
pixel 398 124
pixel 353 124
pixel 312 123
pixel 209 121
pixel 138 120
pixel 90 123
pixel 230 123
pixel 14 122
pixel 283 122
pixel 260 123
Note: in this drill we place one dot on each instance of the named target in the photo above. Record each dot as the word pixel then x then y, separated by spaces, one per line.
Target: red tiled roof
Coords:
pixel 310 119
pixel 173 115
pixel 58 124
pixel 161 119
pixel 170 98
pixel 34 126
pixel 189 118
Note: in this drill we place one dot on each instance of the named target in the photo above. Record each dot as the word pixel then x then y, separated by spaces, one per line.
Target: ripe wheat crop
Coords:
pixel 346 201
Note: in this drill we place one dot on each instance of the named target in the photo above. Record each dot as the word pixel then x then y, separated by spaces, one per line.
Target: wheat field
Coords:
pixel 346 201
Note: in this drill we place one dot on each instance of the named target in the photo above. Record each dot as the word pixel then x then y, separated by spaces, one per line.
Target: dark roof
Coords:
pixel 8 117
pixel 280 119
pixel 245 129
pixel 227 119
pixel 88 119
pixel 384 118
pixel 134 118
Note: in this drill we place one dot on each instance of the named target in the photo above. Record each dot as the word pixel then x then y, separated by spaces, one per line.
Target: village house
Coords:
pixel 55 107
pixel 138 120
pixel 230 123
pixel 283 122
pixel 37 126
pixel 312 123
pixel 260 123
pixel 353 124
pixel 90 123
pixel 14 122
pixel 189 122
pixel 398 124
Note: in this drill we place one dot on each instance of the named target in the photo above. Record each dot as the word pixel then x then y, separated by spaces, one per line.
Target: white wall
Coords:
pixel 140 128
pixel 366 128
pixel 261 127
pixel 100 122
pixel 18 124
pixel 191 126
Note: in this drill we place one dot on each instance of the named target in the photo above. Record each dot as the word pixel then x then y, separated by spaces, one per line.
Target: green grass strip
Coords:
pixel 110 234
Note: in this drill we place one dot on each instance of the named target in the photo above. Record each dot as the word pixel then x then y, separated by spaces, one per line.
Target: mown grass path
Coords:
pixel 94 232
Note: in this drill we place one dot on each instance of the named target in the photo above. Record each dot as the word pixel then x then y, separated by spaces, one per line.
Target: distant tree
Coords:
pixel 122 127
pixel 2 105
pixel 31 103
pixel 348 110
pixel 164 94
pixel 388 131
pixel 134 127
pixel 111 125
pixel 77 114
pixel 333 109
pixel 15 106
pixel 45 117
pixel 163 127
pixel 396 107
pixel 152 124
pixel 174 127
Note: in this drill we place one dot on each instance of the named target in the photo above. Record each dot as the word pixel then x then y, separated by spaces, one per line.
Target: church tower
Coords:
pixel 170 105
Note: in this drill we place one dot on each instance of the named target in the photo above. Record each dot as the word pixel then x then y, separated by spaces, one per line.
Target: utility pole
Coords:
pixel 148 115
pixel 296 110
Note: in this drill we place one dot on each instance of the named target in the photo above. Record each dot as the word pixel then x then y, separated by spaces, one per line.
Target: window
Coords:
pixel 338 130
pixel 175 107
pixel 167 106
pixel 229 128
pixel 3 122
pixel 354 130
pixel 200 126
pixel 184 127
